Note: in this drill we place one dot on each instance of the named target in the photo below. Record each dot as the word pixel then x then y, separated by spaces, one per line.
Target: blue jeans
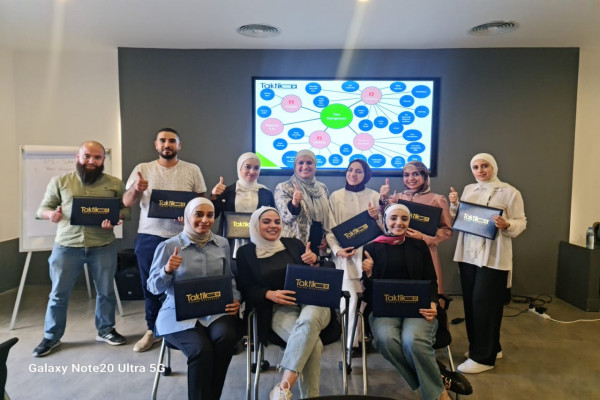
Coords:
pixel 145 245
pixel 408 344
pixel 66 264
pixel 300 328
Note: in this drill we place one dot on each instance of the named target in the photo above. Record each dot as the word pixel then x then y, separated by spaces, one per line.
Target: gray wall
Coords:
pixel 517 104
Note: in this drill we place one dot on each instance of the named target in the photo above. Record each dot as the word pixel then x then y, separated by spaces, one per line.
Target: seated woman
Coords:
pixel 261 275
pixel 208 342
pixel 244 196
pixel 405 342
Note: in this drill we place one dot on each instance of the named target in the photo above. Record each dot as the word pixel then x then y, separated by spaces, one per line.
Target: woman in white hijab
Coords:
pixel 260 276
pixel 244 196
pixel 304 203
pixel 486 265
pixel 207 342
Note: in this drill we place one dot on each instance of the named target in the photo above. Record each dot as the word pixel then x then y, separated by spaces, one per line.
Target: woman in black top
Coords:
pixel 405 342
pixel 261 275
pixel 244 196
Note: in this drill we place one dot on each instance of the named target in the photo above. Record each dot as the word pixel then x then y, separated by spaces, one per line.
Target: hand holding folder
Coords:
pixel 282 296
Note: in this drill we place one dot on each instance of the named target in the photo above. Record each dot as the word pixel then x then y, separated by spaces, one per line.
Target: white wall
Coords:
pixel 9 160
pixel 585 199
pixel 60 98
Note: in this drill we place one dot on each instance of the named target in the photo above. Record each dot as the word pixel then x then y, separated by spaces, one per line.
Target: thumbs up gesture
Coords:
pixel 219 188
pixel 453 196
pixel 384 190
pixel 309 257
pixel 296 197
pixel 373 213
pixel 367 264
pixel 56 215
pixel 174 262
pixel 141 184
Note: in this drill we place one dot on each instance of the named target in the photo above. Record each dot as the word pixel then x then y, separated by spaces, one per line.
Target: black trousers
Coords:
pixel 209 351
pixel 484 291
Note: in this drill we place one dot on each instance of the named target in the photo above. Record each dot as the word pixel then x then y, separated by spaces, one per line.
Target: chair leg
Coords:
pixel 364 353
pixel 345 350
pixel 258 369
pixel 451 362
pixel 158 370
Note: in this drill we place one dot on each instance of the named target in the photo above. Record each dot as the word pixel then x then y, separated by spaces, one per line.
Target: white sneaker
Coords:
pixel 279 393
pixel 498 355
pixel 146 342
pixel 473 367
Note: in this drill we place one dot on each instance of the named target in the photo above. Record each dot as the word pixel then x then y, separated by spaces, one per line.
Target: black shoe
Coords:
pixel 45 347
pixel 113 338
pixel 455 381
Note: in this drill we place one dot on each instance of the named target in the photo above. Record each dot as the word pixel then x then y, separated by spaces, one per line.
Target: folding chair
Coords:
pixel 259 364
pixel 442 339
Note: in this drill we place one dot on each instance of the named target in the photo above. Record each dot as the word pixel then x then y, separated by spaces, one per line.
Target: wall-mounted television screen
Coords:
pixel 386 122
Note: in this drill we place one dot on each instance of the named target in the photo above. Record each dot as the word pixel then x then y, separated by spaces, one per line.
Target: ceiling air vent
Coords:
pixel 258 30
pixel 494 28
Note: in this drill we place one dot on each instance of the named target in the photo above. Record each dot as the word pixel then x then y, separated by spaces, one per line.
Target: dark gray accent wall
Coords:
pixel 517 104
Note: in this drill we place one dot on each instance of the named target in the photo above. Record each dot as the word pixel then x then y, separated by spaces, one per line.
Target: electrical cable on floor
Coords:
pixel 538 303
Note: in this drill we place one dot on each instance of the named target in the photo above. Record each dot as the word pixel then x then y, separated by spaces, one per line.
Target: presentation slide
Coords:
pixel 384 122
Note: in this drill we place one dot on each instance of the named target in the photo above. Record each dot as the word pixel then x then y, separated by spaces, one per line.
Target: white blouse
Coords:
pixel 344 205
pixel 496 254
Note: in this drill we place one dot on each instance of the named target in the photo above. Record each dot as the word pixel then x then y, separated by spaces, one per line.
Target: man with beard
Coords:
pixel 77 245
pixel 166 173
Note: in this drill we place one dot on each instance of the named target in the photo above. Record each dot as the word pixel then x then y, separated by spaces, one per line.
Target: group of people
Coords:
pixel 290 226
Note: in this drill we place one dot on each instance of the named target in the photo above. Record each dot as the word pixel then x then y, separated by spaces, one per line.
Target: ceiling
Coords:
pixel 304 24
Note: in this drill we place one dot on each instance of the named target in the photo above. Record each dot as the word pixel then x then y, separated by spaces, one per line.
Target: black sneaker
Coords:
pixel 113 338
pixel 45 347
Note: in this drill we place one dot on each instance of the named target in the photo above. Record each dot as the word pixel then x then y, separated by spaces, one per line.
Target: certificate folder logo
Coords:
pixel 419 218
pixel 94 210
pixel 171 204
pixel 476 219
pixel 311 285
pixel 356 231
pixel 203 296
pixel 400 299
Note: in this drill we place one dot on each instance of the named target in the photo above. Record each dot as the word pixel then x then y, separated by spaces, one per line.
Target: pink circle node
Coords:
pixel 371 95
pixel 271 127
pixel 319 139
pixel 291 103
pixel 363 141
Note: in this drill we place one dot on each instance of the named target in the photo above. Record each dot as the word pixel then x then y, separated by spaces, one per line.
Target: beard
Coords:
pixel 168 156
pixel 89 176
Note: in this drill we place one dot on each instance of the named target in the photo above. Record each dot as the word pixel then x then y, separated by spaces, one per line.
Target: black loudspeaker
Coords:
pixel 128 276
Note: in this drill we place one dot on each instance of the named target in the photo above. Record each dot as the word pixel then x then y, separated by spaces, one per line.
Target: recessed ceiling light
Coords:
pixel 258 30
pixel 494 28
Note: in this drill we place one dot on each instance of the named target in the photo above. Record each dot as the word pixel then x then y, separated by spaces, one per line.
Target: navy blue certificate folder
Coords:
pixel 237 225
pixel 200 297
pixel 423 218
pixel 315 286
pixel 168 203
pixel 357 231
pixel 476 220
pixel 400 298
pixel 91 211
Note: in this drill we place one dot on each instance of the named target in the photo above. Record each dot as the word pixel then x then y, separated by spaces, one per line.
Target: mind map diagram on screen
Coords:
pixel 384 122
